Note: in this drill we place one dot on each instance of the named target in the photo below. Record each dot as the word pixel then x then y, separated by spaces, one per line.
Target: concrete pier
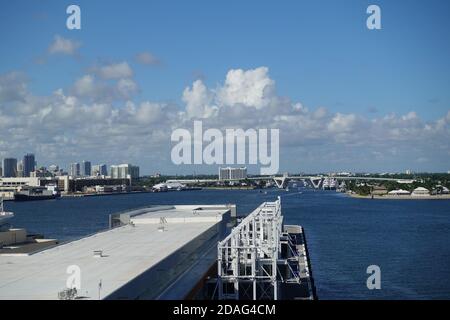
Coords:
pixel 305 289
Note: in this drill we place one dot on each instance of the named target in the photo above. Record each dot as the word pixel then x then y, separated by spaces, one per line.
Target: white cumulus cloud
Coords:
pixel 101 119
pixel 198 101
pixel 252 88
pixel 116 71
pixel 62 45
pixel 147 58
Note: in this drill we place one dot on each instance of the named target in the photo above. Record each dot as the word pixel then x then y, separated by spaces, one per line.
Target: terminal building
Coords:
pixel 9 185
pixel 173 252
pixel 65 184
pixel 162 252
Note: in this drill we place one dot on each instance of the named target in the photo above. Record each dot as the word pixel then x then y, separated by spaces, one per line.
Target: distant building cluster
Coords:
pixel 11 167
pixel 230 173
pixel 27 167
pixel 16 174
pixel 123 171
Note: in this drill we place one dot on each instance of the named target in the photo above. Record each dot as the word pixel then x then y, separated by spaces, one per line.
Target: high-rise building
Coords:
pixel 19 172
pixel 74 169
pixel 9 167
pixel 100 170
pixel 232 173
pixel 29 164
pixel 103 169
pixel 86 168
pixel 124 171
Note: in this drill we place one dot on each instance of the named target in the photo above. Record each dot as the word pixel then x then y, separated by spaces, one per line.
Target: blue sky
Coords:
pixel 319 53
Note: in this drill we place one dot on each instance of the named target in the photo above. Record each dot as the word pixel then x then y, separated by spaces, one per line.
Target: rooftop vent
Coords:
pixel 98 253
pixel 162 224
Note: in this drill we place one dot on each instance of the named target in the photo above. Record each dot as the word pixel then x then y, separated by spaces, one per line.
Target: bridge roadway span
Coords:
pixel 284 178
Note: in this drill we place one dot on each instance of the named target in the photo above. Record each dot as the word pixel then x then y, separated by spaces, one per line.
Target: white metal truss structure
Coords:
pixel 248 258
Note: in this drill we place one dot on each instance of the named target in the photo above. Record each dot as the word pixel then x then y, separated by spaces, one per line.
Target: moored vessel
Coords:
pixel 28 193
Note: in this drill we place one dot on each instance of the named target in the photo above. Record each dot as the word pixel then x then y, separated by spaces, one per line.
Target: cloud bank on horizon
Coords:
pixel 101 118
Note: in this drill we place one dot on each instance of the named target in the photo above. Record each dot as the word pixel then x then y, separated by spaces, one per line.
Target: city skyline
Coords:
pixel 27 166
pixel 102 169
pixel 345 98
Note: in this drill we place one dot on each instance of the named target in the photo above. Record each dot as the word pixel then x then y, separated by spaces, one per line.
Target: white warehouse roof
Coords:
pixel 128 252
pixel 400 191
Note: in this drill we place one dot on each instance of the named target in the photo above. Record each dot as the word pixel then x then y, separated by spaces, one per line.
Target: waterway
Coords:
pixel 408 239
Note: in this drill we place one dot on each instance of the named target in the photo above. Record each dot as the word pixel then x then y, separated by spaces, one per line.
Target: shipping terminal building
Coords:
pixel 159 252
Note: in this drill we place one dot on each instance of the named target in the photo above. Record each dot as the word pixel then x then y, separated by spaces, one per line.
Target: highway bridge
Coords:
pixel 282 181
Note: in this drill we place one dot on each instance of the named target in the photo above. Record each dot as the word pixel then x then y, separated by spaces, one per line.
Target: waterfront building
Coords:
pixel 9 167
pixel 29 164
pixel 379 190
pixel 230 173
pixel 18 182
pixel 86 168
pixel 420 191
pixel 123 171
pixel 74 169
pixel 8 185
pixel 68 184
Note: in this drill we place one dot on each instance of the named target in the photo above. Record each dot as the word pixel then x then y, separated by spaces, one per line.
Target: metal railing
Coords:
pixel 248 256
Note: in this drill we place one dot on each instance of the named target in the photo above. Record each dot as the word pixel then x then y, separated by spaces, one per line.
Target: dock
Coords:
pixel 263 259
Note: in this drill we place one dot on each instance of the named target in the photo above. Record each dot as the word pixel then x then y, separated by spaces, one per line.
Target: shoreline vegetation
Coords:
pixel 420 186
pixel 400 197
